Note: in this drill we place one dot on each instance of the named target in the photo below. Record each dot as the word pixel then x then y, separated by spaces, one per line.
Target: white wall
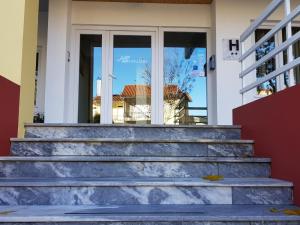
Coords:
pixel 232 17
pixel 140 14
pixel 57 69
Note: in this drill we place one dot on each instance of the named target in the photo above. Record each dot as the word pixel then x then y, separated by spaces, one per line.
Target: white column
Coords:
pixel 59 24
pixel 289 34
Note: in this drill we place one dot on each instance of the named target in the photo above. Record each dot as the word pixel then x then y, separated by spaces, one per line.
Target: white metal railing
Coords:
pixel 286 23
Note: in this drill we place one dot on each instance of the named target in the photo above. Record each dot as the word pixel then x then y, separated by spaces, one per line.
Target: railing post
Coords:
pixel 242 67
pixel 290 56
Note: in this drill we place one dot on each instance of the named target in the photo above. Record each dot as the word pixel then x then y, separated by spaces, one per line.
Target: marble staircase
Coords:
pixel 139 175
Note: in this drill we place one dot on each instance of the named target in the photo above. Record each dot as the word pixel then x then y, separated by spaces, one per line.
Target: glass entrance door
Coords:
pixel 135 77
pixel 90 76
pixel 130 77
pixel 184 73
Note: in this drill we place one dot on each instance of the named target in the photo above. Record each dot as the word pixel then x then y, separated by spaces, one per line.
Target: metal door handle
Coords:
pixel 112 76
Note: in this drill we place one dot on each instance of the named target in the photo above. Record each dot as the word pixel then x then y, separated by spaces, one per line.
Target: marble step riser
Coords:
pixel 136 132
pixel 133 169
pixel 194 149
pixel 165 223
pixel 149 195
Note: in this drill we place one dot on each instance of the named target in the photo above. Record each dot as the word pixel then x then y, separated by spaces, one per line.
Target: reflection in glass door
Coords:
pixel 131 79
pixel 141 77
pixel 184 72
pixel 90 76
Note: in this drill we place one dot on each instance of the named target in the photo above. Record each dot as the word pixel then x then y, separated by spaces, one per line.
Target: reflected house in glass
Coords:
pixel 133 105
pixel 137 103
pixel 176 105
pixel 96 108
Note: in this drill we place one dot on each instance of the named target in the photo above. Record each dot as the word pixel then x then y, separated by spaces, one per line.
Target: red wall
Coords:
pixel 9 113
pixel 274 123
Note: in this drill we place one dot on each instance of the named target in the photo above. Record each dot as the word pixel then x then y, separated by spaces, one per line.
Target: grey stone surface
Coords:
pixel 224 149
pixel 215 223
pixel 114 195
pixel 153 214
pixel 122 147
pixel 262 195
pixel 104 223
pixel 111 169
pixel 108 223
pixel 142 191
pixel 244 169
pixel 132 167
pixel 106 131
pixel 134 182
pixel 275 223
pixel 133 175
pixel 159 223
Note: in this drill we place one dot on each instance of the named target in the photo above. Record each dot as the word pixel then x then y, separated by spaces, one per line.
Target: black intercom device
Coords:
pixel 212 63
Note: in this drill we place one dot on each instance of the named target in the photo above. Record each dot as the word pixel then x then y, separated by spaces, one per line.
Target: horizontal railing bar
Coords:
pixel 272 75
pixel 272 54
pixel 272 32
pixel 268 11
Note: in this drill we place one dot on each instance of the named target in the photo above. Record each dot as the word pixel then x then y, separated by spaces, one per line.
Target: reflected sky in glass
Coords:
pixel 97 68
pixel 130 65
pixel 190 74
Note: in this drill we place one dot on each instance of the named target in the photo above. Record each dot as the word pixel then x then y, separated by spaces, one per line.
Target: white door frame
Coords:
pixel 73 89
pixel 109 113
pixel 209 82
pixel 157 82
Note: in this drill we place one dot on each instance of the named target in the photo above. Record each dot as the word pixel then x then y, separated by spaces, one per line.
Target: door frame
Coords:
pixel 108 110
pixel 210 94
pixel 157 44
pixel 73 81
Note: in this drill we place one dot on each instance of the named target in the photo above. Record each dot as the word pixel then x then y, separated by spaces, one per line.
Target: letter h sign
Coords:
pixel 231 49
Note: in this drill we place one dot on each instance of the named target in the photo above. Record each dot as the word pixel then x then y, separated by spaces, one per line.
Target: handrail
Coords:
pixel 271 33
pixel 267 12
pixel 272 75
pixel 286 45
pixel 271 54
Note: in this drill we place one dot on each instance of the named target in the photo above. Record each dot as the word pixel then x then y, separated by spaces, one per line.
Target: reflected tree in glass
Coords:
pixel 179 82
pixel 268 87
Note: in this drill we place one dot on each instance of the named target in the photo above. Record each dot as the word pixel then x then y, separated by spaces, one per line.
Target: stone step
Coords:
pixel 97 166
pixel 149 191
pixel 148 215
pixel 128 147
pixel 131 131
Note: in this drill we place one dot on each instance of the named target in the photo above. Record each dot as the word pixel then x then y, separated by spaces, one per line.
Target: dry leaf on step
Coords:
pixel 213 177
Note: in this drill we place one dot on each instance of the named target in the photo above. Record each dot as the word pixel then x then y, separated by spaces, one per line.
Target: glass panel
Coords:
pixel 132 79
pixel 90 68
pixel 268 87
pixel 185 99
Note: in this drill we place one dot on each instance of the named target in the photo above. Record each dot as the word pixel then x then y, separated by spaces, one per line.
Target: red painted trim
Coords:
pixel 9 113
pixel 274 123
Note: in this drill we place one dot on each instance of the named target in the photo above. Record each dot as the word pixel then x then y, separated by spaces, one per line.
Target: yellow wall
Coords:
pixel 18 41
pixel 11 39
pixel 28 64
